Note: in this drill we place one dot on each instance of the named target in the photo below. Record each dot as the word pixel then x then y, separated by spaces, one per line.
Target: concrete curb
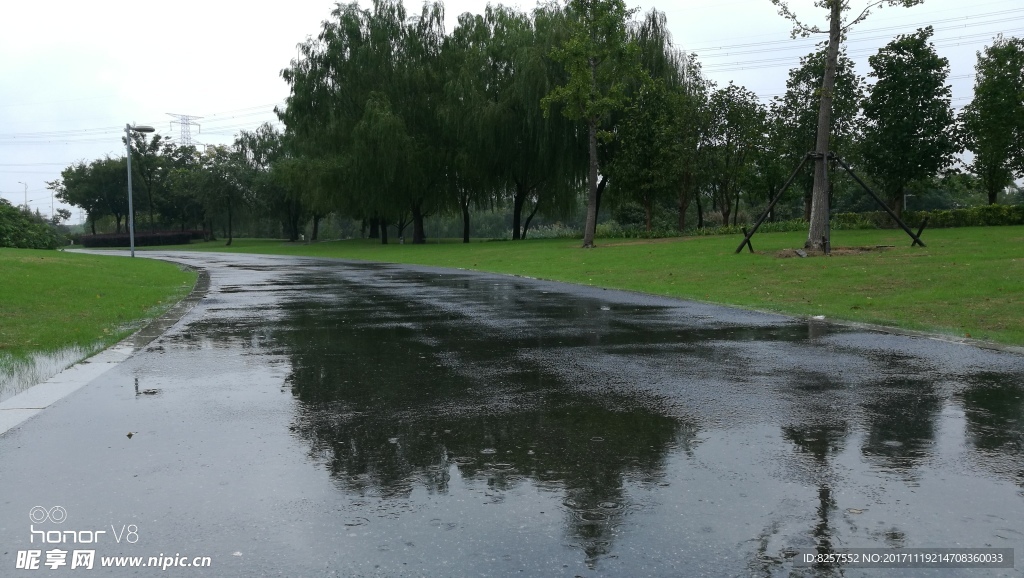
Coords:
pixel 17 409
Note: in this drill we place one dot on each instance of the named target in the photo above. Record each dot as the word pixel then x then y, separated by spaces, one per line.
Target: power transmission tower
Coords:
pixel 185 124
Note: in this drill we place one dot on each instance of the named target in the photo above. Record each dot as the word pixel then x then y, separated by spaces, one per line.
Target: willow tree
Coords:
pixel 380 160
pixel 600 61
pixel 654 156
pixel 330 83
pixel 509 145
pixel 416 94
pixel 838 26
pixel 368 65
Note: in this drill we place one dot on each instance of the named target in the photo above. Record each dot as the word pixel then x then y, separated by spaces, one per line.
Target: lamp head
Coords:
pixel 142 128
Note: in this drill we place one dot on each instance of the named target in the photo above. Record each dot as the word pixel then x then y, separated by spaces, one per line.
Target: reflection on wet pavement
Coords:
pixel 466 424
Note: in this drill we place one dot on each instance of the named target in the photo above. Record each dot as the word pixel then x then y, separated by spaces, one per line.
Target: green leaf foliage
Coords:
pixel 909 128
pixel 994 120
pixel 23 230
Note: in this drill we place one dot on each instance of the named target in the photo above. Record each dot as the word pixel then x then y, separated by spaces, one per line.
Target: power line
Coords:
pixel 787 60
pixel 97 134
pixel 857 35
pixel 755 49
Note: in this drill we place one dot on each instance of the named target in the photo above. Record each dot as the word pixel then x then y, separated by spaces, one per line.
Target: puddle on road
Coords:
pixel 541 427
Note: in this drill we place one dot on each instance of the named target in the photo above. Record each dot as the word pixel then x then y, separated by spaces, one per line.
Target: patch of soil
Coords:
pixel 836 251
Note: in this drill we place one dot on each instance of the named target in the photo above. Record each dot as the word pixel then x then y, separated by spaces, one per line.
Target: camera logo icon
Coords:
pixel 56 514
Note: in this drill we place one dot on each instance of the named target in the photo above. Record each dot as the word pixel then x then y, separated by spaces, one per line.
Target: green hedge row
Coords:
pixel 141 239
pixel 984 216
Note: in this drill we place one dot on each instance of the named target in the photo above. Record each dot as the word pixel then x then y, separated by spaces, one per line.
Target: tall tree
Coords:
pixel 693 122
pixel 509 145
pixel 652 158
pixel 149 165
pixel 601 62
pixel 909 127
pixel 647 167
pixel 270 178
pixel 796 113
pixel 737 126
pixel 837 28
pixel 365 66
pixel 221 184
pixel 181 202
pixel 100 187
pixel 994 120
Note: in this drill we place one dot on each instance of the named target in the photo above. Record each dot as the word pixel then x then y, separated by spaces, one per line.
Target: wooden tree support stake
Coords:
pixel 771 205
pixel 920 229
pixel 746 240
pixel 881 203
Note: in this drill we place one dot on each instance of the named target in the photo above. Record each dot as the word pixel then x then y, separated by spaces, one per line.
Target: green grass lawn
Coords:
pixel 50 300
pixel 966 282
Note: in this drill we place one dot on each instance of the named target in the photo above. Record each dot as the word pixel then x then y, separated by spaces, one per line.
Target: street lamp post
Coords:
pixel 128 129
pixel 26 194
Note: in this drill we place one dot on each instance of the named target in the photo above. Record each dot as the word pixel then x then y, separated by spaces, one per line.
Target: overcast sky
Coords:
pixel 72 73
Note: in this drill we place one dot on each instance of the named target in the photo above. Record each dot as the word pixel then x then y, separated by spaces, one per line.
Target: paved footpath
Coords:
pixel 313 417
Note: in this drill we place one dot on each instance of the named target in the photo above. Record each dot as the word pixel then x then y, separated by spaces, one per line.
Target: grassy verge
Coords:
pixel 968 282
pixel 50 300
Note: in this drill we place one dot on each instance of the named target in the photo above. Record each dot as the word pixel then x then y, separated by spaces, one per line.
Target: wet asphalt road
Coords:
pixel 325 418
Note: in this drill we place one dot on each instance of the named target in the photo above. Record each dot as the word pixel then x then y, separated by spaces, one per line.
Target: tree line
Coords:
pixel 390 120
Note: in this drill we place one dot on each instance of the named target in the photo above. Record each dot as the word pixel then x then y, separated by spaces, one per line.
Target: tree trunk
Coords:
pixel 736 213
pixel 517 211
pixel 600 192
pixel 117 220
pixel 92 224
pixel 896 203
pixel 316 227
pixel 591 225
pixel 383 232
pixel 418 235
pixel 529 218
pixel 700 212
pixel 725 206
pixel 819 197
pixel 374 228
pixel 465 220
pixel 230 223
pixel 684 204
pixel 647 213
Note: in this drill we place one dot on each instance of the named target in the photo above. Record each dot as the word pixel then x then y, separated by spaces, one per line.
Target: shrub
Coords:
pixel 23 230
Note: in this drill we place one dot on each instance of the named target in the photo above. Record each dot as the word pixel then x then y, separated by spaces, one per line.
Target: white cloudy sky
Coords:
pixel 72 73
